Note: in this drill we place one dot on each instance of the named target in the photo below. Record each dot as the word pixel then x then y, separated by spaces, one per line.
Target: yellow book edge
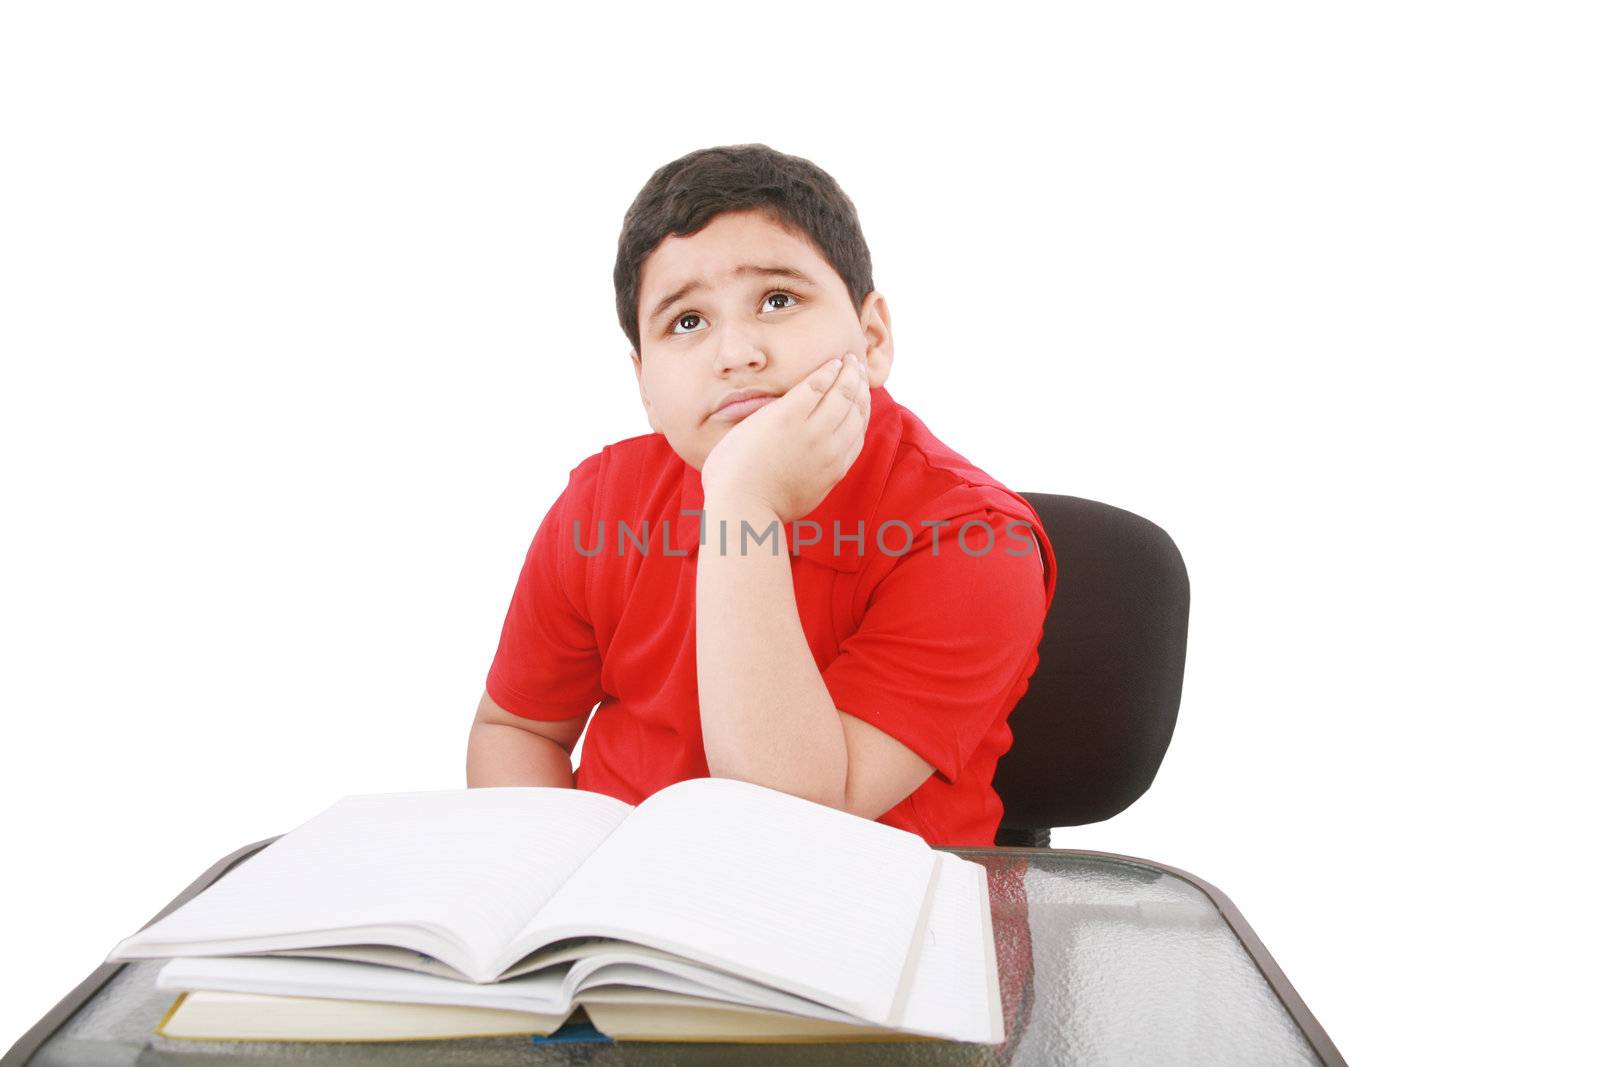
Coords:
pixel 218 1016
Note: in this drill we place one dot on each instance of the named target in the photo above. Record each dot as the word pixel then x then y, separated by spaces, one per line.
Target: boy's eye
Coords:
pixel 694 319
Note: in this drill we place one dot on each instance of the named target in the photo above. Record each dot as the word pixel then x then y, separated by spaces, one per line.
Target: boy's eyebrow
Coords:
pixel 743 268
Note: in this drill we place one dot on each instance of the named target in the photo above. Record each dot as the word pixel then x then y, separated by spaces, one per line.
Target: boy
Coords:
pixel 790 581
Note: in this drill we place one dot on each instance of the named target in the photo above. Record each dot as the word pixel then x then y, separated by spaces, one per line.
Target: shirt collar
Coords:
pixel 850 502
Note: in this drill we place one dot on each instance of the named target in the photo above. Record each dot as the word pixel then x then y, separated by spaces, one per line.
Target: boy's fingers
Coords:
pixel 818 383
pixel 844 396
pixel 853 391
pixel 866 385
pixel 840 377
pixel 823 377
pixel 860 409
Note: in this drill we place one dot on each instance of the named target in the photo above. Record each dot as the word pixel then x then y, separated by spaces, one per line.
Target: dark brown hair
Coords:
pixel 683 196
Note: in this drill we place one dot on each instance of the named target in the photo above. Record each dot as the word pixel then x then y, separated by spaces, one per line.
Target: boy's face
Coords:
pixel 742 328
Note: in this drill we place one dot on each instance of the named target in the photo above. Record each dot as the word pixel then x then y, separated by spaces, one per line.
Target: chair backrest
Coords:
pixel 1097 717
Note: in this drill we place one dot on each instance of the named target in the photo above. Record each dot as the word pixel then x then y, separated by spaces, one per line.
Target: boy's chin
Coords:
pixel 694 456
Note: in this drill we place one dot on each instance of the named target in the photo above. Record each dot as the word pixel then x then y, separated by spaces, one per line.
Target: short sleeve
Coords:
pixel 946 637
pixel 547 665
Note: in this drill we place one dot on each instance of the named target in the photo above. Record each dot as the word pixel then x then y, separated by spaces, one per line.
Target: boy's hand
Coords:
pixel 792 452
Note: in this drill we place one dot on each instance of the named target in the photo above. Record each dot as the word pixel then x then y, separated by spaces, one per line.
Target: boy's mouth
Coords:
pixel 739 403
pixel 740 408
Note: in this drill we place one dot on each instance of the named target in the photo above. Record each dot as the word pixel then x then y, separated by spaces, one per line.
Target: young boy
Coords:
pixel 791 581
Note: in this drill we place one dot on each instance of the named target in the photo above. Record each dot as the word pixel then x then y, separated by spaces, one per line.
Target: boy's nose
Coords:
pixel 738 350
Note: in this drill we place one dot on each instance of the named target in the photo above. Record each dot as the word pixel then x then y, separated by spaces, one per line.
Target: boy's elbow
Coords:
pixel 825 789
pixel 503 755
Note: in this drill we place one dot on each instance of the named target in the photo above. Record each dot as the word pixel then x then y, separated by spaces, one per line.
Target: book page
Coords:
pixel 953 994
pixel 682 977
pixel 383 955
pixel 558 952
pixel 454 874
pixel 955 987
pixel 796 895
pixel 345 980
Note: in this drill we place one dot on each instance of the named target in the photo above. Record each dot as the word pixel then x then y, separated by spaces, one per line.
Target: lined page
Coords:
pixel 344 980
pixel 954 992
pixel 674 975
pixel 743 993
pixel 801 896
pixel 955 988
pixel 457 872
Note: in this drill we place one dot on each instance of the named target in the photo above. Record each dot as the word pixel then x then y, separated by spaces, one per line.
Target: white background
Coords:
pixel 307 313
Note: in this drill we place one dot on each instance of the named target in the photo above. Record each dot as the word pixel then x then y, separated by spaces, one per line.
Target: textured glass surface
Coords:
pixel 1101 962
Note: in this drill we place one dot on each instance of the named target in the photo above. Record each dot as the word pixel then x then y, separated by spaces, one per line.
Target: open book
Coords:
pixel 715 909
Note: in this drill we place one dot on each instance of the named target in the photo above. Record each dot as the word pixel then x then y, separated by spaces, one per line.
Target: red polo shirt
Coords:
pixel 931 642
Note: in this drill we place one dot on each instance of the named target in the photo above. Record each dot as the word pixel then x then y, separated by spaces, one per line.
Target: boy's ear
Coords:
pixel 880 338
pixel 638 374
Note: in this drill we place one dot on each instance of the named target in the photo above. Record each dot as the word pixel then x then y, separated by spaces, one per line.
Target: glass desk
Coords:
pixel 1103 959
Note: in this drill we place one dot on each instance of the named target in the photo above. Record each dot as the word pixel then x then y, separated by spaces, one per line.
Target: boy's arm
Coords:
pixel 766 717
pixel 507 749
pixel 547 663
pixel 936 661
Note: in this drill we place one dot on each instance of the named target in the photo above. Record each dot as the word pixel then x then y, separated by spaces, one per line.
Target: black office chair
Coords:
pixel 1096 720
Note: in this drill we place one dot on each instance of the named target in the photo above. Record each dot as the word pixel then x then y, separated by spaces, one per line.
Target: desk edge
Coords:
pixel 1276 979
